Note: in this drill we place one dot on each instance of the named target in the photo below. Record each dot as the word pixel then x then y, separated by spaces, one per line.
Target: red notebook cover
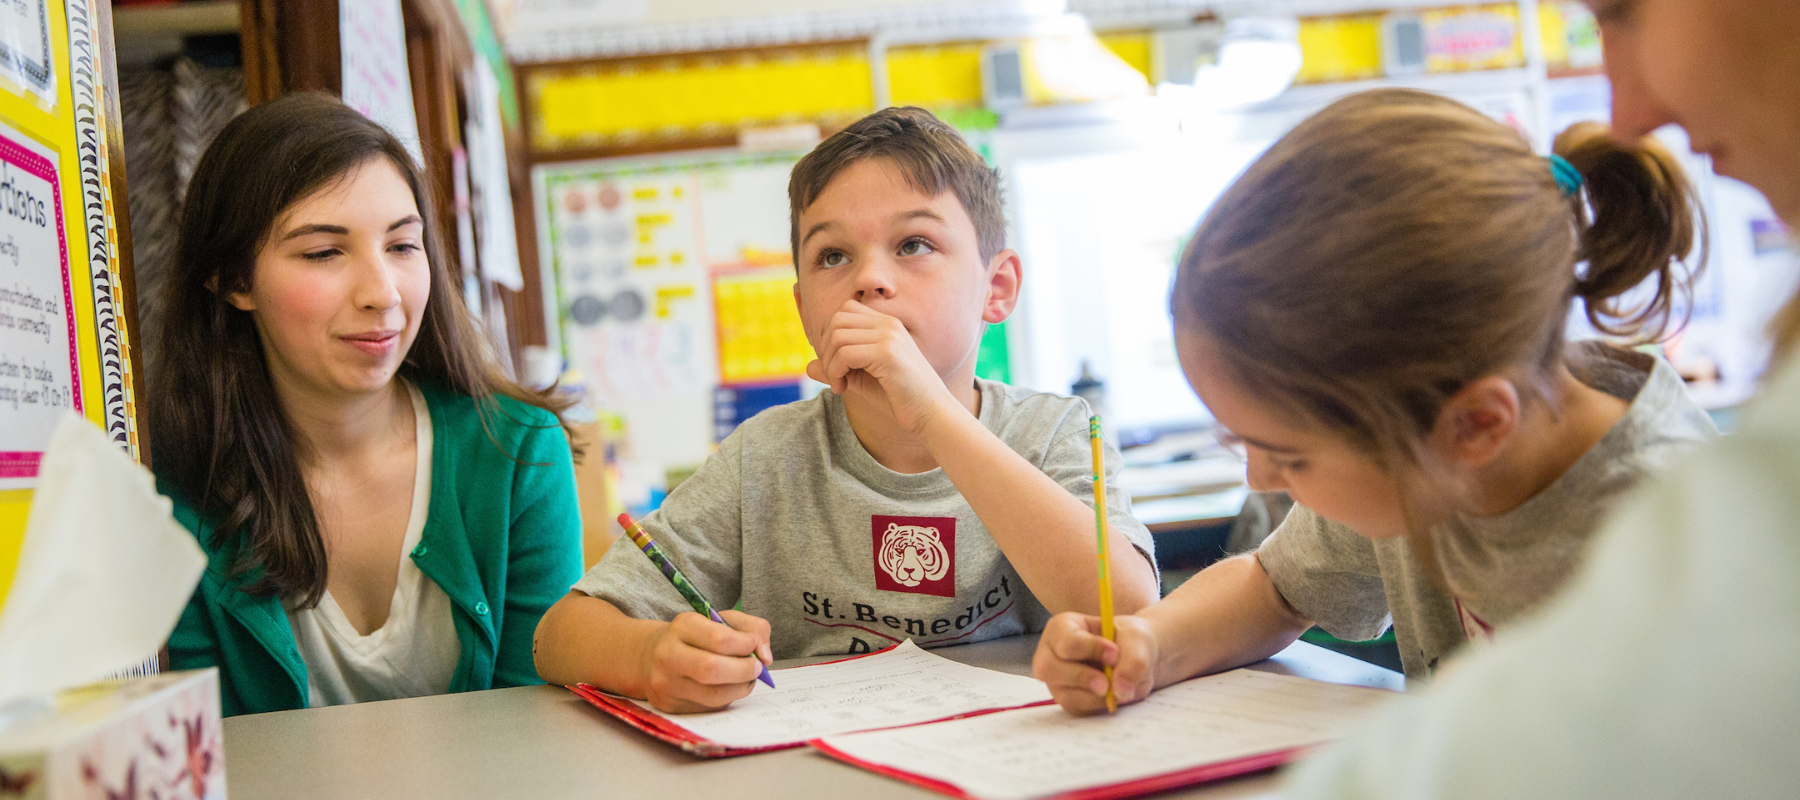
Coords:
pixel 661 727
pixel 1203 773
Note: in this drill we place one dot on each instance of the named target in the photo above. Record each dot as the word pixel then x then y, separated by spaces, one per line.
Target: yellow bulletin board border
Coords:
pixel 602 108
pixel 74 127
pixel 99 213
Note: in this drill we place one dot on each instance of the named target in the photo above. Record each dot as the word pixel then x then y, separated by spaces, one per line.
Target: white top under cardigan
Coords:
pixel 415 652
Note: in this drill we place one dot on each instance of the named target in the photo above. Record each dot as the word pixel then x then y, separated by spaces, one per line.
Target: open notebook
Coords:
pixel 902 685
pixel 1200 730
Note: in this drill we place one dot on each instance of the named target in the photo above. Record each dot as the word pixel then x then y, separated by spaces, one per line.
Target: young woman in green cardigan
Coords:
pixel 384 513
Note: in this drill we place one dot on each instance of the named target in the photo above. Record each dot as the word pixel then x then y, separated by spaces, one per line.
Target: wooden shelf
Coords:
pixel 175 19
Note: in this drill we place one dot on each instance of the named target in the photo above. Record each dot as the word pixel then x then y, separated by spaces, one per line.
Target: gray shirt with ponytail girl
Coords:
pixel 1497 569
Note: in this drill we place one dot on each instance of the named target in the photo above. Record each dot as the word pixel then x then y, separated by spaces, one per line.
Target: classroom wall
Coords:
pixel 1094 188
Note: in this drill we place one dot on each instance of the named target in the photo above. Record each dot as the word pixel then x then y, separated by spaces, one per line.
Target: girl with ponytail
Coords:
pixel 1375 312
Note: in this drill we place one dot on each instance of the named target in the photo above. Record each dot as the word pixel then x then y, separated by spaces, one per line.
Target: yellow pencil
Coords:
pixel 1106 594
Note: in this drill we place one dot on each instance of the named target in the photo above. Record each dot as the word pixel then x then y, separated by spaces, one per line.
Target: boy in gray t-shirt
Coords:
pixel 794 519
pixel 910 501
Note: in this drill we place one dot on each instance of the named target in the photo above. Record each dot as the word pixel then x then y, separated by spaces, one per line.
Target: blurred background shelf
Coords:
pixel 176 19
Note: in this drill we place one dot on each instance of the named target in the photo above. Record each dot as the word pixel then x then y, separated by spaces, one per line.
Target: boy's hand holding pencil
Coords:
pixel 704 659
pixel 701 665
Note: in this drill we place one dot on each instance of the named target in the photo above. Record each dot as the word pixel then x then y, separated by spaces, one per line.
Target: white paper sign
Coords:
pixel 38 373
pixel 372 39
pixel 493 207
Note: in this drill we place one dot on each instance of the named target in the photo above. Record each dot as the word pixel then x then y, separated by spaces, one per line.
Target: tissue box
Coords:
pixel 156 737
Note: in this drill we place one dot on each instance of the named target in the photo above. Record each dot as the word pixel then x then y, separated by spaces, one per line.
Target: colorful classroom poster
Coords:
pixel 640 246
pixel 40 372
pixel 636 300
pixel 1463 39
pixel 64 335
pixel 758 343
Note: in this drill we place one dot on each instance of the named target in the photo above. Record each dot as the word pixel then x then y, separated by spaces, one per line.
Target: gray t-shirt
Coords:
pixel 793 518
pixel 1498 568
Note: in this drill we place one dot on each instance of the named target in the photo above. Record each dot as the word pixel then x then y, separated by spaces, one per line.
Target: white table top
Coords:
pixel 544 742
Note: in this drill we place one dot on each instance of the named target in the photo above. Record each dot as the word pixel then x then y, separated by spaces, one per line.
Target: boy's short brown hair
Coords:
pixel 931 156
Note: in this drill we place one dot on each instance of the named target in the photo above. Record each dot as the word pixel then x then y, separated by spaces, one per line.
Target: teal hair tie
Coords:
pixel 1568 178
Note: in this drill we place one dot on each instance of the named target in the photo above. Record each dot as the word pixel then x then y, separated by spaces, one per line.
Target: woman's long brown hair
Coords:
pixel 222 439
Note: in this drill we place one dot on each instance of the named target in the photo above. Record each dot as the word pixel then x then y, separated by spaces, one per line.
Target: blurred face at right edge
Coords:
pixel 1727 71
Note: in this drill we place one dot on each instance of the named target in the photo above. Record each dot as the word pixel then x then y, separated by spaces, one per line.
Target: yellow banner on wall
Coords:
pixel 638 100
pixel 935 75
pixel 1345 48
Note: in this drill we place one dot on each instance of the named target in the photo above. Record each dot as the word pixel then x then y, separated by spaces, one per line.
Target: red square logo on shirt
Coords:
pixel 916 555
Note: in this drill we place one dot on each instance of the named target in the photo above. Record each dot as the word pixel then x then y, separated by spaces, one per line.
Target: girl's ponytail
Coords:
pixel 1636 220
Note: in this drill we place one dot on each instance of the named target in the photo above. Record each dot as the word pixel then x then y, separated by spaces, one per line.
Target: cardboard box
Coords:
pixel 149 737
pixel 593 490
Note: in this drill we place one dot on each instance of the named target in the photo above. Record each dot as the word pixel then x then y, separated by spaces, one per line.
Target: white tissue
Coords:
pixel 103 574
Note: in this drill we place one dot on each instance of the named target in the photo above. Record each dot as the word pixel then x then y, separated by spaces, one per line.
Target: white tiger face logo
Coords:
pixel 912 554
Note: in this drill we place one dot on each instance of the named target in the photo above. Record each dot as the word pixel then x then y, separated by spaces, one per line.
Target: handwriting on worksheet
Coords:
pixel 1038 752
pixel 902 686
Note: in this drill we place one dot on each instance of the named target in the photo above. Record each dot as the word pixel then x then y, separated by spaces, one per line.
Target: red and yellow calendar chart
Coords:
pixel 64 337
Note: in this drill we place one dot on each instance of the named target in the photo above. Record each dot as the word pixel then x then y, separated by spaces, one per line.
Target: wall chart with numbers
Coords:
pixel 64 327
pixel 675 285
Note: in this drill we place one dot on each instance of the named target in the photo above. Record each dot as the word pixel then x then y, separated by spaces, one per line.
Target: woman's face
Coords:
pixel 1728 71
pixel 1321 471
pixel 340 284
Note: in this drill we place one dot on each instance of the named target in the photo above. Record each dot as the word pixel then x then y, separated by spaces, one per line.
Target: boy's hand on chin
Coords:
pixel 871 355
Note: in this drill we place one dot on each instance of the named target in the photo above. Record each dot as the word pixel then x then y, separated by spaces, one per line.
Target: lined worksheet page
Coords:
pixel 1039 752
pixel 902 686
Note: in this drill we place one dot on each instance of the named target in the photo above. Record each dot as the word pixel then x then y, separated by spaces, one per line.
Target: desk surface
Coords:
pixel 544 742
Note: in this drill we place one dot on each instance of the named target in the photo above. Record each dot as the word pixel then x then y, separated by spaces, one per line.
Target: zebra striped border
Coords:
pixel 98 206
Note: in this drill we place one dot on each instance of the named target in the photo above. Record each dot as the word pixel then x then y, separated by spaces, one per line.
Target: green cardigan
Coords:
pixel 502 538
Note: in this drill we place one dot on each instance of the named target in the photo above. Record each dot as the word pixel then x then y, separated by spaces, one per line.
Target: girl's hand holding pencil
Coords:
pixel 1072 656
pixel 1094 664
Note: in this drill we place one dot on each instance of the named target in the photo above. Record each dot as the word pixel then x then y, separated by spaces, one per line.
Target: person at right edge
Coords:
pixel 1666 668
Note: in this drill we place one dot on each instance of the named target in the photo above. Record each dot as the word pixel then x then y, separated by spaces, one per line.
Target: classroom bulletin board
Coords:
pixel 64 337
pixel 675 280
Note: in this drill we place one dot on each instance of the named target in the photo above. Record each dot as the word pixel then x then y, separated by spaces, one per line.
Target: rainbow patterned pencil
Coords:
pixel 687 590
